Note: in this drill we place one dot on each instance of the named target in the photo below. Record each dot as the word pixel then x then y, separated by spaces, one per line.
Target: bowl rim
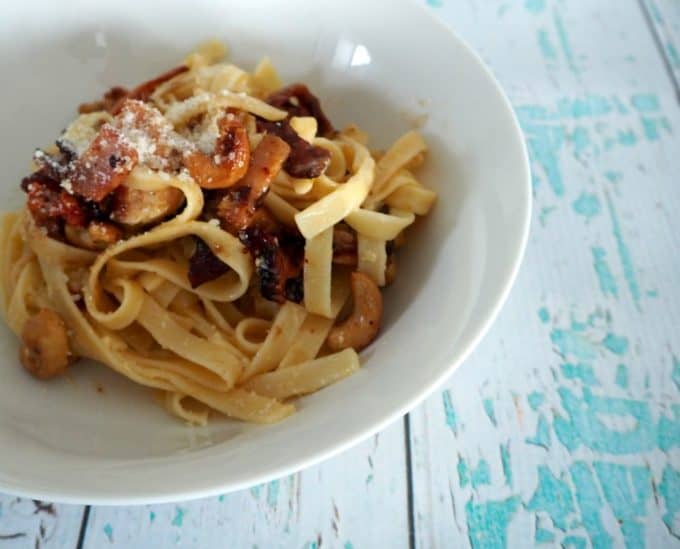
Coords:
pixel 87 497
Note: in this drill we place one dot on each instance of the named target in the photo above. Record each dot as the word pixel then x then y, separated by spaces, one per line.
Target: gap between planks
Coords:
pixel 83 527
pixel 658 42
pixel 408 456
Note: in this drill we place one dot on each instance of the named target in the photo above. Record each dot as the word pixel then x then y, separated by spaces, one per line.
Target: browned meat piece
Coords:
pixel 299 101
pixel 238 205
pixel 114 98
pixel 45 351
pixel 103 166
pixel 230 160
pixel 54 166
pixel 136 207
pixel 277 250
pixel 152 133
pixel 51 206
pixel 279 256
pixel 110 98
pixel 305 160
pixel 278 253
pixel 204 265
pixel 43 198
pixel 145 89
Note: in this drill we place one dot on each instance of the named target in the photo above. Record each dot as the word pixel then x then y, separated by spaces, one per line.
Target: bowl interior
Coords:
pixel 67 440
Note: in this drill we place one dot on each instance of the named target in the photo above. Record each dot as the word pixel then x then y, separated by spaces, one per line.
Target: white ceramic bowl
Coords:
pixel 381 64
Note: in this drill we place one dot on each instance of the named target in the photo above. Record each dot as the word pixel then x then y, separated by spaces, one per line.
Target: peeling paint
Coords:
pixel 622 376
pixel 624 253
pixel 587 205
pixel 487 522
pixel 616 344
pixel 450 412
pixel 178 519
pixel 506 463
pixel 552 496
pixel 535 399
pixel 108 532
pixel 604 274
pixel 670 491
pixel 542 436
pixel 489 411
pixel 589 503
pixel 582 372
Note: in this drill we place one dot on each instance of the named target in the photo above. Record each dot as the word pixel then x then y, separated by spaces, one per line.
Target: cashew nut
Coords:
pixel 45 351
pixel 362 326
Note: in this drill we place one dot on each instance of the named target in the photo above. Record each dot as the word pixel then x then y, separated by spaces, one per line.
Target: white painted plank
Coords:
pixel 357 499
pixel 564 426
pixel 665 16
pixel 28 523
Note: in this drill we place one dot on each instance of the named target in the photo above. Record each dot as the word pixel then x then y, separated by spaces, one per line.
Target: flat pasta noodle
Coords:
pixel 281 335
pixel 317 273
pixel 379 226
pixel 403 151
pixel 372 258
pixel 412 197
pixel 307 377
pixel 219 345
pixel 315 328
pixel 335 206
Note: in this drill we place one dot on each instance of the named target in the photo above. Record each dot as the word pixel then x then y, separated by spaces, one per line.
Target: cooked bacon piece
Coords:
pixel 137 207
pixel 299 101
pixel 73 211
pixel 104 165
pixel 230 160
pixel 279 255
pixel 113 100
pixel 51 206
pixel 145 89
pixel 152 135
pixel 238 205
pixel 55 166
pixel 277 250
pixel 204 265
pixel 44 202
pixel 106 103
pixel 305 160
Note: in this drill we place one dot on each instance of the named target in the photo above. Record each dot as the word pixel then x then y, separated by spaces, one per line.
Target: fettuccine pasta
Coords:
pixel 210 235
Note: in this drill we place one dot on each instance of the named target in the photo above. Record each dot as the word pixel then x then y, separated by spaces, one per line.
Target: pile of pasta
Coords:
pixel 220 346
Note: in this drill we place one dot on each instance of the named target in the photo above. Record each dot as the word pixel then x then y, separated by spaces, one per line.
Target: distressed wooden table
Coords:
pixel 563 428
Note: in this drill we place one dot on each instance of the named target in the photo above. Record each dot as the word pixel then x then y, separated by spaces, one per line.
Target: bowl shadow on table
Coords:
pixel 84 70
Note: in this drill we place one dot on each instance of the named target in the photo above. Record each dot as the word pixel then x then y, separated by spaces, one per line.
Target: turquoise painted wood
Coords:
pixel 358 499
pixel 563 428
pixel 664 15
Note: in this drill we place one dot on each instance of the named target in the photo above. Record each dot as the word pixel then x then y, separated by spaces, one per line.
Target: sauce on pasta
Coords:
pixel 211 235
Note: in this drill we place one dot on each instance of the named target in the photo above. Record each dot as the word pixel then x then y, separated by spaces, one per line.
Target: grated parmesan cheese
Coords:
pixel 66 185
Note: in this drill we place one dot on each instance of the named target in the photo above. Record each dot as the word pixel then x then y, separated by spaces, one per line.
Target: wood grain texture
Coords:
pixel 355 500
pixel 27 523
pixel 664 16
pixel 563 428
